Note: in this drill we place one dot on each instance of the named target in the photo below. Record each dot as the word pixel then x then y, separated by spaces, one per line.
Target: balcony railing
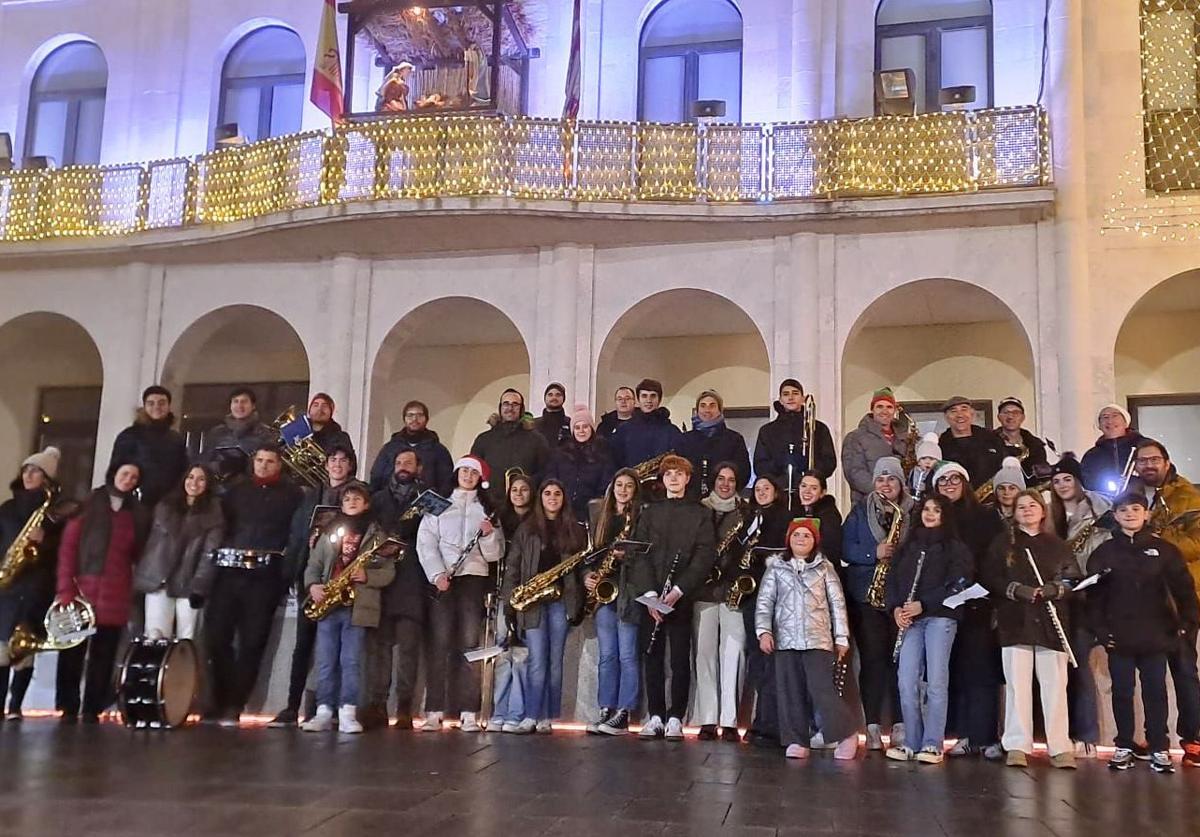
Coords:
pixel 434 157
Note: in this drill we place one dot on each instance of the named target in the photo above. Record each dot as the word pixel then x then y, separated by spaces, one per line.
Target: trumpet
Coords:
pixel 875 592
pixel 300 451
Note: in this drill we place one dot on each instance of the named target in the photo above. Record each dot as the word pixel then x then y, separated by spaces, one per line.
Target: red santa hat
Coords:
pixel 477 465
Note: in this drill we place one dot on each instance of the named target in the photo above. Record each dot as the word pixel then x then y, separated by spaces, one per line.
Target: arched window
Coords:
pixel 262 84
pixel 690 50
pixel 947 43
pixel 66 105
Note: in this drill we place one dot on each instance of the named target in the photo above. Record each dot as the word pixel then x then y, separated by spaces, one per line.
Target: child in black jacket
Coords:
pixel 1138 611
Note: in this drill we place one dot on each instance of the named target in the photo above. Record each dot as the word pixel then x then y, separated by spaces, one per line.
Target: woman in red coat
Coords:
pixel 96 558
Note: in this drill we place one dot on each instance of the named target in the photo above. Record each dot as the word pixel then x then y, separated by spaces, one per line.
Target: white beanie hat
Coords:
pixel 46 460
pixel 945 469
pixel 929 446
pixel 1118 408
pixel 1010 473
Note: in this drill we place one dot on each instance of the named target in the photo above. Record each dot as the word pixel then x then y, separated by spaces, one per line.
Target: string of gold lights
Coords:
pixel 446 156
pixel 1158 193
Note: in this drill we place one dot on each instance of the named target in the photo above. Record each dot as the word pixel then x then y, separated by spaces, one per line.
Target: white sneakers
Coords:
pixel 545 726
pixel 432 722
pixel 847 748
pixel 467 722
pixel 348 720
pixel 674 729
pixel 653 728
pixel 323 720
pixel 526 727
pixel 897 738
pixel 795 751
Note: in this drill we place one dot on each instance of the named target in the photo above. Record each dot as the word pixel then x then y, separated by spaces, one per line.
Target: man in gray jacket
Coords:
pixel 879 434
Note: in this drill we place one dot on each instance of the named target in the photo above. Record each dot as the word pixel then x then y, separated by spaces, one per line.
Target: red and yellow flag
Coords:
pixel 326 91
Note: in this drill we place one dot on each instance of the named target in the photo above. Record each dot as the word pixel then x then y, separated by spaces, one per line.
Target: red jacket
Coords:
pixel 110 591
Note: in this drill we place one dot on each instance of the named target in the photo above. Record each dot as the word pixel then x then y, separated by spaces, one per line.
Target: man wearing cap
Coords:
pixel 1104 464
pixel 554 424
pixel 327 433
pixel 624 406
pixel 780 450
pixel 1016 441
pixel 251 577
pixel 681 556
pixel 437 466
pixel 1175 516
pixel 229 446
pixel 711 441
pixel 865 545
pixel 878 435
pixel 969 445
pixel 512 442
pixel 649 433
pixel 152 442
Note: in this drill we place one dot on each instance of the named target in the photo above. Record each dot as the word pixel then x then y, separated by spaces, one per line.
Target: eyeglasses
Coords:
pixel 414 415
pixel 1149 460
pixel 516 404
pixel 953 479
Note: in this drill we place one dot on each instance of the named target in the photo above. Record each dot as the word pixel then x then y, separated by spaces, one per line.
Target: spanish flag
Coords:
pixel 326 91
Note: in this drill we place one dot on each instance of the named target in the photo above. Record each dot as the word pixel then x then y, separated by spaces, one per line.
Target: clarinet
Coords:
pixel 667 585
pixel 1054 620
pixel 912 594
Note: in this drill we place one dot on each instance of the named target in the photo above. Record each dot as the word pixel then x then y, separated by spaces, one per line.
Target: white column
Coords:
pixel 807 26
pixel 555 343
pixel 1065 93
pixel 331 354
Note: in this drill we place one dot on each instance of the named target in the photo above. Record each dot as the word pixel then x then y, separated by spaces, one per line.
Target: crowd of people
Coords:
pixel 723 586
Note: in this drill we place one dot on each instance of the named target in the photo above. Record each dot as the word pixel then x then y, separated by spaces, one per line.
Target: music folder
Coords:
pixel 474 655
pixel 633 547
pixel 431 503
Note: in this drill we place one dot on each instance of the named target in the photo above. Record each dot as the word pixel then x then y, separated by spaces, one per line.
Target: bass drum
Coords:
pixel 159 678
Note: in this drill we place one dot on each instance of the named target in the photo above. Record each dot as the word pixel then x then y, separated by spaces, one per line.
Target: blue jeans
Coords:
pixel 619 664
pixel 926 651
pixel 1187 688
pixel 1081 689
pixel 546 642
pixel 339 649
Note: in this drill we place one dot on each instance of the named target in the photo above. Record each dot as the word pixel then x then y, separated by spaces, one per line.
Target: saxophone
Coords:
pixel 909 461
pixel 606 590
pixel 544 585
pixel 23 552
pixel 744 584
pixel 724 545
pixel 648 471
pixel 875 593
pixel 339 591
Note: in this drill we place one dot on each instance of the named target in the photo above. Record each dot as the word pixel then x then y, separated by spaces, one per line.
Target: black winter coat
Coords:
pixel 1020 622
pixel 511 444
pixel 260 517
pixel 672 527
pixel 522 564
pixel 554 425
pixel 645 436
pixel 1034 465
pixel 771 454
pixel 331 436
pixel 947 569
pixel 980 453
pixel 584 470
pixel 36 581
pixel 826 511
pixel 406 595
pixel 726 562
pixel 159 451
pixel 609 423
pixel 707 448
pixel 1146 598
pixel 1105 461
pixel 437 466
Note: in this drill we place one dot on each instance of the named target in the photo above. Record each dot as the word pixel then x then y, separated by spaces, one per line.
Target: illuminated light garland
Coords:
pixel 1159 185
pixel 424 157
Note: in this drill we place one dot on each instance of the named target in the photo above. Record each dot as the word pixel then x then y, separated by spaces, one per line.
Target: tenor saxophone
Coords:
pixel 23 551
pixel 723 546
pixel 543 587
pixel 875 593
pixel 744 585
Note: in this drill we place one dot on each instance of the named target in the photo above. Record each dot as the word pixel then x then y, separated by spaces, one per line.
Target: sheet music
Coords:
pixel 654 603
pixel 1087 582
pixel 476 654
pixel 975 591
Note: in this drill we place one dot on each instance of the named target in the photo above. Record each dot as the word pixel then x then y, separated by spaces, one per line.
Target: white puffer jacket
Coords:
pixel 801 603
pixel 440 540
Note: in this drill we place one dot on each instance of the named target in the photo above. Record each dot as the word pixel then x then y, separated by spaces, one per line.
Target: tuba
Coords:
pixel 23 552
pixel 66 626
pixel 300 451
pixel 875 593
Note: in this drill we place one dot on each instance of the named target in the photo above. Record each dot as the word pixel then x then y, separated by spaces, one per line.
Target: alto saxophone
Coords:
pixel 339 591
pixel 724 545
pixel 647 471
pixel 875 593
pixel 744 585
pixel 23 551
pixel 909 461
pixel 605 591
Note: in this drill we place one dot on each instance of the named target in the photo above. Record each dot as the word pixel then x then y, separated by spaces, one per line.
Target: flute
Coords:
pixel 912 594
pixel 1058 628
